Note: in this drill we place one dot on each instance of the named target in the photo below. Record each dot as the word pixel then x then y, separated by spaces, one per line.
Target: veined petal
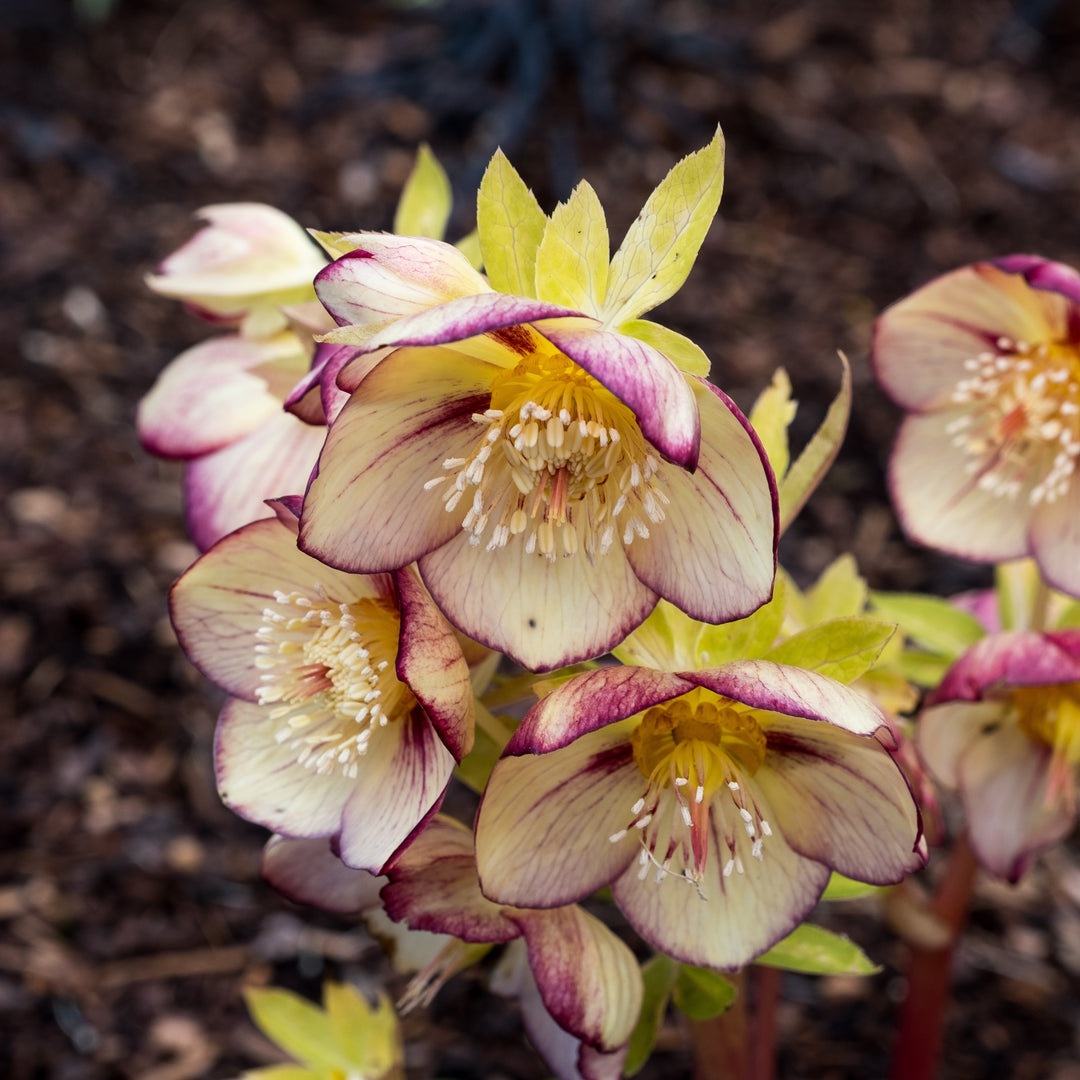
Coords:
pixel 386 277
pixel 1023 658
pixel 1011 812
pixel 944 733
pixel 402 778
pixel 229 488
pixel 542 614
pixel 641 377
pixel 791 691
pixel 308 872
pixel 922 342
pixel 543 828
pixel 715 555
pixel 840 799
pixel 1055 539
pixel 367 508
pixel 589 980
pixel 433 886
pixel 1041 273
pixel 217 606
pixel 942 506
pixel 430 661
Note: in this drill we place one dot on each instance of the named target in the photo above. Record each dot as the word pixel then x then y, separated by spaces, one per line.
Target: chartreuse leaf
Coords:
pixel 658 975
pixel 770 418
pixel 661 245
pixel 818 454
pixel 749 638
pixel 1016 584
pixel 929 621
pixel 296 1025
pixel 701 993
pixel 469 246
pixel 813 950
pixel 424 206
pixel 369 1037
pixel 491 734
pixel 681 351
pixel 923 668
pixel 333 243
pixel 843 888
pixel 1070 617
pixel 279 1072
pixel 572 261
pixel 511 225
pixel 839 591
pixel 843 649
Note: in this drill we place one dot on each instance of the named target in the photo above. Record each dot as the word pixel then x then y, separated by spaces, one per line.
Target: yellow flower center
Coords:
pixel 1051 715
pixel 1021 424
pixel 328 676
pixel 562 465
pixel 697 753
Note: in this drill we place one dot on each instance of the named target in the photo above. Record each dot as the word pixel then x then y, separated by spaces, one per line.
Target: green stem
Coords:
pixel 1040 606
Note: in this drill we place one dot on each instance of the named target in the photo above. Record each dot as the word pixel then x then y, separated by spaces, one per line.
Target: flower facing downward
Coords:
pixel 1004 728
pixel 352 698
pixel 987 359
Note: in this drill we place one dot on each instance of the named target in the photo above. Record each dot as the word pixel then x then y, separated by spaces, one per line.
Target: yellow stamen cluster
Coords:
pixel 562 464
pixel 1021 424
pixel 328 676
pixel 697 753
pixel 1051 715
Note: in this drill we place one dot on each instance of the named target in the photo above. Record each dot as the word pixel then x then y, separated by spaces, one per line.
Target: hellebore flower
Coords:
pixel 716 803
pixel 1004 728
pixel 536 453
pixel 351 698
pixel 987 361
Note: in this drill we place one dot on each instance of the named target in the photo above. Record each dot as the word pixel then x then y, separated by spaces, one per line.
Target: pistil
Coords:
pixel 1051 715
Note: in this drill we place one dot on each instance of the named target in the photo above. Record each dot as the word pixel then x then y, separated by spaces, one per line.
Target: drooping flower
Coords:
pixel 352 701
pixel 716 803
pixel 536 448
pixel 1004 728
pixel 987 361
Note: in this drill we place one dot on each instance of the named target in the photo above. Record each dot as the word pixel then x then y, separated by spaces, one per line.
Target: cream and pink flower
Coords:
pixel 351 698
pixel 716 803
pixel 987 361
pixel 1004 728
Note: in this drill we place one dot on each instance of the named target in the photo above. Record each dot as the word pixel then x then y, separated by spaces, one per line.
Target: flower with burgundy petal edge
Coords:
pixel 541 455
pixel 1004 728
pixel 716 803
pixel 987 361
pixel 352 701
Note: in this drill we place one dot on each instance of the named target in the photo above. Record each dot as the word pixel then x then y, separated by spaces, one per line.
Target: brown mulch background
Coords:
pixel 870 147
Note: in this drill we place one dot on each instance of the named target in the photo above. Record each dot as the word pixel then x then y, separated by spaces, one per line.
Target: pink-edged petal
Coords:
pixel 308 872
pixel 229 488
pixel 207 398
pixel 1042 273
pixel 840 799
pixel 741 915
pixel 591 701
pixel 792 691
pixel 433 886
pixel 543 828
pixel 1055 539
pixel 542 614
pixel 921 343
pixel 402 779
pixel 715 555
pixel 259 778
pixel 944 733
pixel 387 277
pixel 217 605
pixel 942 506
pixel 588 979
pixel 367 509
pixel 1011 811
pixel 640 376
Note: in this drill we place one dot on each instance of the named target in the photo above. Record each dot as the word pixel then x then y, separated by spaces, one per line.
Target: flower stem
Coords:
pixel 922 1016
pixel 722 1045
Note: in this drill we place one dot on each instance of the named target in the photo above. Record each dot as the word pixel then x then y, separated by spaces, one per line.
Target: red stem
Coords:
pixel 922 1016
pixel 763 1052
pixel 722 1045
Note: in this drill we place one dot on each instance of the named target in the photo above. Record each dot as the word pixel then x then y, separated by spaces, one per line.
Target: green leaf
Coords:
pixel 424 206
pixel 469 246
pixel 658 975
pixel 511 225
pixel 814 950
pixel 930 622
pixel 843 649
pixel 572 261
pixel 1070 617
pixel 818 454
pixel 701 993
pixel 661 245
pixel 296 1025
pixel 681 351
pixel 843 888
pixel 839 591
pixel 923 668
pixel 770 418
